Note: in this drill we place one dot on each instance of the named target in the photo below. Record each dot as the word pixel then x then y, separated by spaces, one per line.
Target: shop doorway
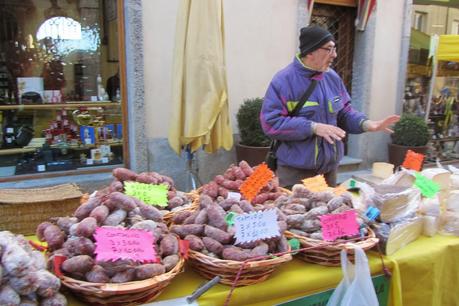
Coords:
pixel 339 20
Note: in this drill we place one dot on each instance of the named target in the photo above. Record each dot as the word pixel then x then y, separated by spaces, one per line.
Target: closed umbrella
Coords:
pixel 200 116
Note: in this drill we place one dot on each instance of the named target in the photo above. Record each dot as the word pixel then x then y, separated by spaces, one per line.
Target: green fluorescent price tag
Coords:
pixel 428 187
pixel 352 183
pixel 148 193
pixel 229 218
pixel 294 244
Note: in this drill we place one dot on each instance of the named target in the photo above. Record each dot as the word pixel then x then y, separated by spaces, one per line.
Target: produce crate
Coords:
pixel 21 210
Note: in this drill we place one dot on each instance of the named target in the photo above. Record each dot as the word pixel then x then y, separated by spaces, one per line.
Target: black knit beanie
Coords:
pixel 312 38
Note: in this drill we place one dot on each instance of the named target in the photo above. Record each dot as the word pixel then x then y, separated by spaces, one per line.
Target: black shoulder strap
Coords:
pixel 304 97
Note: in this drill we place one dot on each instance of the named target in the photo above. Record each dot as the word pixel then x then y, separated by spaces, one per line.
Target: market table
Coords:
pixel 426 272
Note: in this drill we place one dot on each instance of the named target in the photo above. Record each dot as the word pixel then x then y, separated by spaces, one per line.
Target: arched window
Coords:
pixel 60 28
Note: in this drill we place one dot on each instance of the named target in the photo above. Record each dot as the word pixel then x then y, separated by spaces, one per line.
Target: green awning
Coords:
pixel 419 40
pixel 449 3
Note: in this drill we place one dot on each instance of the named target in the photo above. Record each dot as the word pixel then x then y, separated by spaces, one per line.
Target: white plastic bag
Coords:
pixel 356 288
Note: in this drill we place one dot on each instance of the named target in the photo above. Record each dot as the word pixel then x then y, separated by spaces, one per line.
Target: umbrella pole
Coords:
pixel 193 181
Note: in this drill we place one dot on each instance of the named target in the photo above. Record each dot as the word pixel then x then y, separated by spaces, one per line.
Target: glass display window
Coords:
pixel 60 87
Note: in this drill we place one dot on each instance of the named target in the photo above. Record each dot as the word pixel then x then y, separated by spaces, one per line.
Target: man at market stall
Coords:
pixel 311 142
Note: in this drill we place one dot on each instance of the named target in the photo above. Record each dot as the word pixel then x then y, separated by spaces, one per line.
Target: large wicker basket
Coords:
pixel 327 254
pixel 252 273
pixel 193 196
pixel 132 293
pixel 21 210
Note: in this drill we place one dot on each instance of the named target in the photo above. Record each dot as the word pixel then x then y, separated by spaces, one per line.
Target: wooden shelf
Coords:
pixel 456 138
pixel 32 149
pixel 68 105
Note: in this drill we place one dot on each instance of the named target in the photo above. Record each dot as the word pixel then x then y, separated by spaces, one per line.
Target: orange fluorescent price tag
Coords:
pixel 339 190
pixel 255 182
pixel 413 160
pixel 316 183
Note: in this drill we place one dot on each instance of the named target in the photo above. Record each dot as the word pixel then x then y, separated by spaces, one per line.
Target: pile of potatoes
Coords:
pixel 303 208
pixel 24 279
pixel 73 237
pixel 233 178
pixel 176 199
pixel 208 232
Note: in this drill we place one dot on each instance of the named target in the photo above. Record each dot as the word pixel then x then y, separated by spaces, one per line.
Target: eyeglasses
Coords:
pixel 329 50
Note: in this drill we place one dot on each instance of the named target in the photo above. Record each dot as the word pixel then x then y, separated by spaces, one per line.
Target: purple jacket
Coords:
pixel 329 103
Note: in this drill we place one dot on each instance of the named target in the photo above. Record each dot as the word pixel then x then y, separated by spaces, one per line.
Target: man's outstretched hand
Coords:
pixel 381 125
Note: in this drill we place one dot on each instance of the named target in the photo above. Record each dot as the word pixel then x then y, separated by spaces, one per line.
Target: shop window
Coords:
pixel 60 93
pixel 419 21
pixel 443 115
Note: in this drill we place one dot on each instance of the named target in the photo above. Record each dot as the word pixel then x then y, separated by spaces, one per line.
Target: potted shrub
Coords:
pixel 254 144
pixel 410 133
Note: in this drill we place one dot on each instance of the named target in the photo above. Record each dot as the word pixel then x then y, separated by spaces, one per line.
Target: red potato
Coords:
pixel 113 267
pixel 115 217
pixel 171 194
pixel 54 236
pixel 87 227
pixel 229 174
pixel 196 244
pixel 219 179
pixel 175 202
pixel 245 167
pixel 230 185
pixel 79 246
pixel 217 234
pixel 179 217
pixel 246 206
pixel 122 201
pixel 201 218
pixel 213 245
pixel 282 226
pixel 216 217
pixel 170 262
pixel 210 189
pixel 97 275
pixel 65 223
pixel 191 218
pixel 222 191
pixel 146 178
pixel 123 174
pixel 235 253
pixel 260 250
pixel 239 174
pixel 124 276
pixel 205 201
pixel 282 245
pixel 149 270
pixel 116 185
pixel 187 229
pixel 80 263
pixel 100 213
pixel 149 212
pixel 236 209
pixel 169 245
pixel 40 229
pixel 227 203
pixel 85 209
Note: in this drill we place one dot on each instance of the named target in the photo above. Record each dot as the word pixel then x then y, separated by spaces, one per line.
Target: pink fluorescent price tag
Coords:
pixel 116 243
pixel 339 225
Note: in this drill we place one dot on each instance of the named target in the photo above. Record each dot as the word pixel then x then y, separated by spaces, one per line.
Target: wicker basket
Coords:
pixel 132 293
pixel 22 210
pixel 194 205
pixel 327 254
pixel 252 273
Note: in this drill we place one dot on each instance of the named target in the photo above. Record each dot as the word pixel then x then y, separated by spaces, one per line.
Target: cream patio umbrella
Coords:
pixel 199 90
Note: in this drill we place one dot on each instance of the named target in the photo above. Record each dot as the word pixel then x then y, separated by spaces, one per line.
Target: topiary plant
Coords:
pixel 248 121
pixel 410 131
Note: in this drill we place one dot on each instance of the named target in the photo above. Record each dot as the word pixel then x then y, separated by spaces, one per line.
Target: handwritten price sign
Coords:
pixel 115 243
pixel 339 225
pixel 148 193
pixel 256 226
